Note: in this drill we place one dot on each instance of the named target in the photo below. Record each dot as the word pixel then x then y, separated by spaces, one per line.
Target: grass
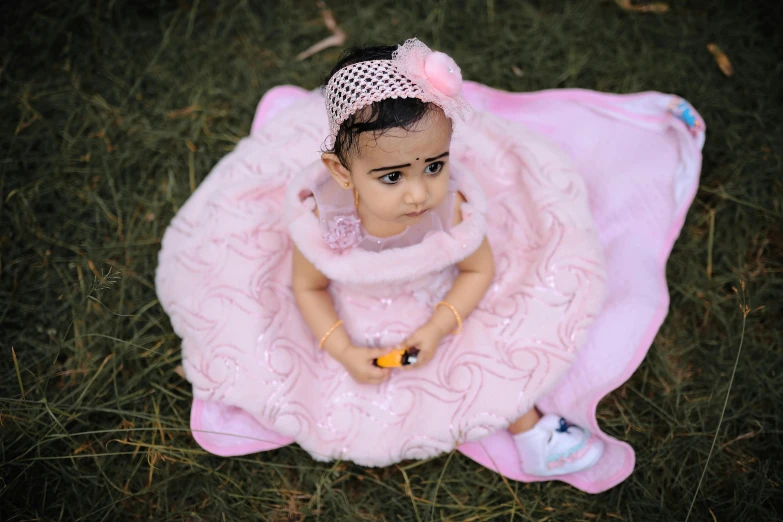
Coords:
pixel 113 111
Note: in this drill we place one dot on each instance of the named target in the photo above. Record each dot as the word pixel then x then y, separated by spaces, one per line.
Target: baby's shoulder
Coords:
pixel 459 199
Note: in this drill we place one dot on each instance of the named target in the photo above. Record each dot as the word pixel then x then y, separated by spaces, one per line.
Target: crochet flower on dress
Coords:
pixel 343 232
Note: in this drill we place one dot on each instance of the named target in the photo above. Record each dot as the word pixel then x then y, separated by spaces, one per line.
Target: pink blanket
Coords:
pixel 640 157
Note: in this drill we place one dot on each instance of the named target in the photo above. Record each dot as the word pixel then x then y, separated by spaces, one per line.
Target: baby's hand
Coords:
pixel 358 362
pixel 426 339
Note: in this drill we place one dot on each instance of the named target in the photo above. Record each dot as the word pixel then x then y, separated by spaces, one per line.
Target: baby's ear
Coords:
pixel 338 171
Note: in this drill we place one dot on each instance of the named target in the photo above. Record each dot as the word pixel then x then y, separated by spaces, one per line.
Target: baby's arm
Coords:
pixel 317 308
pixel 475 276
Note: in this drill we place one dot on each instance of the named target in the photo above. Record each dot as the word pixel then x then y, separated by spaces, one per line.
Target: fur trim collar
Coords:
pixel 396 265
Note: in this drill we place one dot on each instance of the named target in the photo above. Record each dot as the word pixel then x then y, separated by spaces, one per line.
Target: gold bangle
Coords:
pixel 328 333
pixel 456 316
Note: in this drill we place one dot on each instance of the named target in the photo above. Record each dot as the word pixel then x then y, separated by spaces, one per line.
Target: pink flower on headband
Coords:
pixel 436 73
pixel 443 72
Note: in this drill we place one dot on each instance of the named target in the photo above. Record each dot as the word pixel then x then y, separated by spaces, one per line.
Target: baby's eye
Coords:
pixel 434 168
pixel 391 178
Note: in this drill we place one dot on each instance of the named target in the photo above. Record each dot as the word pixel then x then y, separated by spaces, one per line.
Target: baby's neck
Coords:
pixel 377 227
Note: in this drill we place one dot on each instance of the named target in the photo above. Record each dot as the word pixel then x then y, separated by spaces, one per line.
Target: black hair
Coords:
pixel 382 115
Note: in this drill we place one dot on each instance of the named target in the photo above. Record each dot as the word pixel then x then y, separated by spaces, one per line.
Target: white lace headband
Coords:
pixel 414 71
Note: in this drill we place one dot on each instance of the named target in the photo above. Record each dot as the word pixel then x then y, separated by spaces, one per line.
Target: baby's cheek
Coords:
pixel 387 206
pixel 440 188
pixel 386 200
pixel 374 194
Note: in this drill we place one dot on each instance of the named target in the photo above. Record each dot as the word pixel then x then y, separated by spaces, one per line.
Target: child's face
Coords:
pixel 419 179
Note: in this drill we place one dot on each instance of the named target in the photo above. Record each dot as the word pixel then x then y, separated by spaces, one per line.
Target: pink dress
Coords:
pixel 260 383
pixel 225 276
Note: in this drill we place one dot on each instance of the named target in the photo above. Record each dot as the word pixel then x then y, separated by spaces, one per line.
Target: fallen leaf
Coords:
pixel 180 371
pixel 84 447
pixel 191 146
pixel 338 35
pixel 657 7
pixel 721 59
pixel 517 71
pixel 24 124
pixel 184 111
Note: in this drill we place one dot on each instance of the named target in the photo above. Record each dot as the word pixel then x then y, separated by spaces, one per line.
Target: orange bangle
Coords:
pixel 328 333
pixel 456 316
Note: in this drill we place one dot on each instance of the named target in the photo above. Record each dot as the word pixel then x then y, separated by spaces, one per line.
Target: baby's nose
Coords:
pixel 417 193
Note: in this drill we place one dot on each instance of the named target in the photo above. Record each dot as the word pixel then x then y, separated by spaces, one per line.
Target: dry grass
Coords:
pixel 112 111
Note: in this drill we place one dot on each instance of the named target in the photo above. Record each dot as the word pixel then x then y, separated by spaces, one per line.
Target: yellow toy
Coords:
pixel 397 358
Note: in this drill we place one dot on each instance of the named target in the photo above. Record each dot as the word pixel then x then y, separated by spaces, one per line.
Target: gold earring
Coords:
pixel 346 184
pixel 356 198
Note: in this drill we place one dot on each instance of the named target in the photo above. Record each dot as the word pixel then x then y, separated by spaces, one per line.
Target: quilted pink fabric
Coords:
pixel 640 165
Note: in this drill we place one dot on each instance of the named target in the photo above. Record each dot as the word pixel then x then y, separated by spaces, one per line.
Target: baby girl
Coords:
pixel 390 188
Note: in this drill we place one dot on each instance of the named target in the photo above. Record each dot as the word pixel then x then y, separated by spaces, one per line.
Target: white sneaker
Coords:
pixel 553 447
